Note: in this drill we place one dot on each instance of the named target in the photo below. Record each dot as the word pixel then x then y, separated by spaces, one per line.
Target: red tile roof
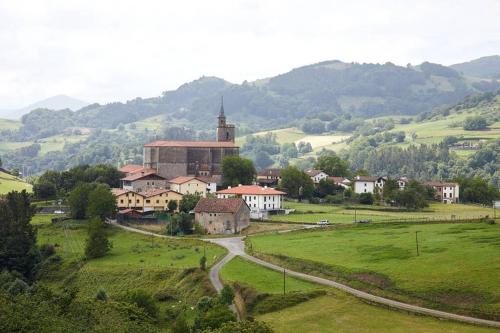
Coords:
pixel 209 205
pixel 153 192
pixel 130 168
pixel 119 191
pixel 192 144
pixel 339 180
pixel 251 189
pixel 140 175
pixel 185 179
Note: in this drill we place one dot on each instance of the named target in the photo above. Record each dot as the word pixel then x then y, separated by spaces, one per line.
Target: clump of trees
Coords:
pixel 475 123
pixel 89 200
pixel 332 165
pixel 237 170
pixel 296 183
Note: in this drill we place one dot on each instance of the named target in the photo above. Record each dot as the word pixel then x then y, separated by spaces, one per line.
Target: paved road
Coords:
pixel 236 247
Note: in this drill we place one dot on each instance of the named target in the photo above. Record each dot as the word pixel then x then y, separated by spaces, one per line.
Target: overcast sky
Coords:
pixel 103 51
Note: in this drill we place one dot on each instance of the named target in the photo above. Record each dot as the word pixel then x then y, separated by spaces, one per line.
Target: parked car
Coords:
pixel 364 221
pixel 323 222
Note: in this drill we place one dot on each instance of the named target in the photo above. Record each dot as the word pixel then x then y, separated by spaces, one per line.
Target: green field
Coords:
pixel 457 269
pixel 262 279
pixel 305 212
pixel 57 142
pixel 135 261
pixel 341 313
pixel 334 312
pixel 7 124
pixel 10 183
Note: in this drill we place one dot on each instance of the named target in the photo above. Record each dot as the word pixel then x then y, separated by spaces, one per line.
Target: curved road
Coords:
pixel 236 247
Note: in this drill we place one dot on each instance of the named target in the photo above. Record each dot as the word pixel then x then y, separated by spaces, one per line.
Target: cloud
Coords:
pixel 106 50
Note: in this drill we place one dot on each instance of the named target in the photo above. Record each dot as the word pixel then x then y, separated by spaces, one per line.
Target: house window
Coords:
pixel 264 206
pixel 157 201
pixel 121 201
pixel 129 201
pixel 137 200
pixel 147 201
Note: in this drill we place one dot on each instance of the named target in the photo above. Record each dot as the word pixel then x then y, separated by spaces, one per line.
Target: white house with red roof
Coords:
pixel 189 185
pixel 261 200
pixel 316 175
pixel 143 181
pixel 368 184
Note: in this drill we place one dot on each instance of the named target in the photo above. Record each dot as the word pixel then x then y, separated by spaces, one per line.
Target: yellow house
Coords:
pixel 189 185
pixel 128 199
pixel 158 199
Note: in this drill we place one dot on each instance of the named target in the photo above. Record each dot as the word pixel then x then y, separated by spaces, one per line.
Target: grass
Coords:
pixel 10 183
pixel 312 213
pixel 341 313
pixel 262 279
pixel 7 124
pixel 260 227
pixel 57 142
pixel 134 262
pixel 457 269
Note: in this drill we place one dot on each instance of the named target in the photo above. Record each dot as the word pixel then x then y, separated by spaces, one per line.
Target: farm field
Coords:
pixel 134 262
pixel 457 269
pixel 7 124
pixel 334 312
pixel 57 142
pixel 312 213
pixel 10 183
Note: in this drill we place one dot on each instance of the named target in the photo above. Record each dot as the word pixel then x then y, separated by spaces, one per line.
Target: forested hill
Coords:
pixel 485 67
pixel 326 89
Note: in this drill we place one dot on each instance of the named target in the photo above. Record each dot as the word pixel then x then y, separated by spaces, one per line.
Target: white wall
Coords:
pixel 364 187
pixel 259 202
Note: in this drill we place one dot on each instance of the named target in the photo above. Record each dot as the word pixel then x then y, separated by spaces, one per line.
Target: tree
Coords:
pixel 172 206
pixel 304 147
pixel 227 295
pixel 477 190
pixel 78 200
pixel 289 150
pixel 389 189
pixel 97 244
pixel 262 159
pixel 182 222
pixel 366 198
pixel 44 190
pixel 332 165
pixel 203 263
pixel 475 123
pixel 188 202
pixel 237 170
pixel 414 196
pixel 296 183
pixel 314 126
pixel 18 250
pixel 144 301
pixel 101 202
pixel 326 187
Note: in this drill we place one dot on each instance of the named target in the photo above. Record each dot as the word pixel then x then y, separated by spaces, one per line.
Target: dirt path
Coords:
pixel 236 247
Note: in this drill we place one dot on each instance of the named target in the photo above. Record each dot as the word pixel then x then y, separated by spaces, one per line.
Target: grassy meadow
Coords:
pixel 457 269
pixel 333 312
pixel 10 183
pixel 311 213
pixel 158 266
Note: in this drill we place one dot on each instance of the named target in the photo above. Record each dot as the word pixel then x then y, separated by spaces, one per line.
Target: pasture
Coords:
pixel 457 269
pixel 134 262
pixel 10 183
pixel 312 213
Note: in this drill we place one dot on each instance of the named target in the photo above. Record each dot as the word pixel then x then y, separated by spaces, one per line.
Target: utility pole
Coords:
pixel 355 215
pixel 416 241
pixel 284 279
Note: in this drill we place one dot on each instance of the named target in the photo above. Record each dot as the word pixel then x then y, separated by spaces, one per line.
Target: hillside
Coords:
pixel 485 67
pixel 58 102
pixel 10 183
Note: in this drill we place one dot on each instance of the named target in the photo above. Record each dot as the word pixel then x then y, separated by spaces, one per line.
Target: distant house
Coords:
pixel 211 183
pixel 269 177
pixel 158 199
pixel 261 200
pixel 143 181
pixel 316 175
pixel 368 184
pixel 155 199
pixel 402 181
pixel 446 192
pixel 222 216
pixel 128 199
pixel 340 181
pixel 189 185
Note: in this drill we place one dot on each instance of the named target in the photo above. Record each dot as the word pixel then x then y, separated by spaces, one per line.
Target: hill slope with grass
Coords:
pixel 10 183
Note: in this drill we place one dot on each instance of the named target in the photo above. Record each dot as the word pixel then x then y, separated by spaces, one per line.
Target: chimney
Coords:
pixel 239 185
pixel 265 186
pixel 228 187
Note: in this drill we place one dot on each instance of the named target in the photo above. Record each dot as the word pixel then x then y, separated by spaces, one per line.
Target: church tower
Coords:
pixel 225 132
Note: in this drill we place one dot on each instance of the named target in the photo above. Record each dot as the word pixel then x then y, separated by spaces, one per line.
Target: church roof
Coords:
pixel 192 144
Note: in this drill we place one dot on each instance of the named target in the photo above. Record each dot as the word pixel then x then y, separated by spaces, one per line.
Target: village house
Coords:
pixel 143 181
pixel 269 177
pixel 402 181
pixel 211 183
pixel 340 181
pixel 446 192
pixel 262 201
pixel 222 216
pixel 128 199
pixel 189 185
pixel 368 184
pixel 316 175
pixel 158 199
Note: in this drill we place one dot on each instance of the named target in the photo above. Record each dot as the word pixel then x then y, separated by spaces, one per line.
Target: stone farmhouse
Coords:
pixel 262 201
pixel 222 216
pixel 446 192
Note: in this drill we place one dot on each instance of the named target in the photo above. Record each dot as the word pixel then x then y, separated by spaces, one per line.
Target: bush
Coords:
pixel 97 244
pixel 227 295
pixel 101 295
pixel 475 123
pixel 47 250
pixel 144 301
pixel 244 327
pixel 366 198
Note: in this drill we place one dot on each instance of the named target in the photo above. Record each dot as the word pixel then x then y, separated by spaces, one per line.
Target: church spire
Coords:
pixel 221 112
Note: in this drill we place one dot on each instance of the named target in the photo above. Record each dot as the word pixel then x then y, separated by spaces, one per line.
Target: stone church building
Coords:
pixel 172 159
